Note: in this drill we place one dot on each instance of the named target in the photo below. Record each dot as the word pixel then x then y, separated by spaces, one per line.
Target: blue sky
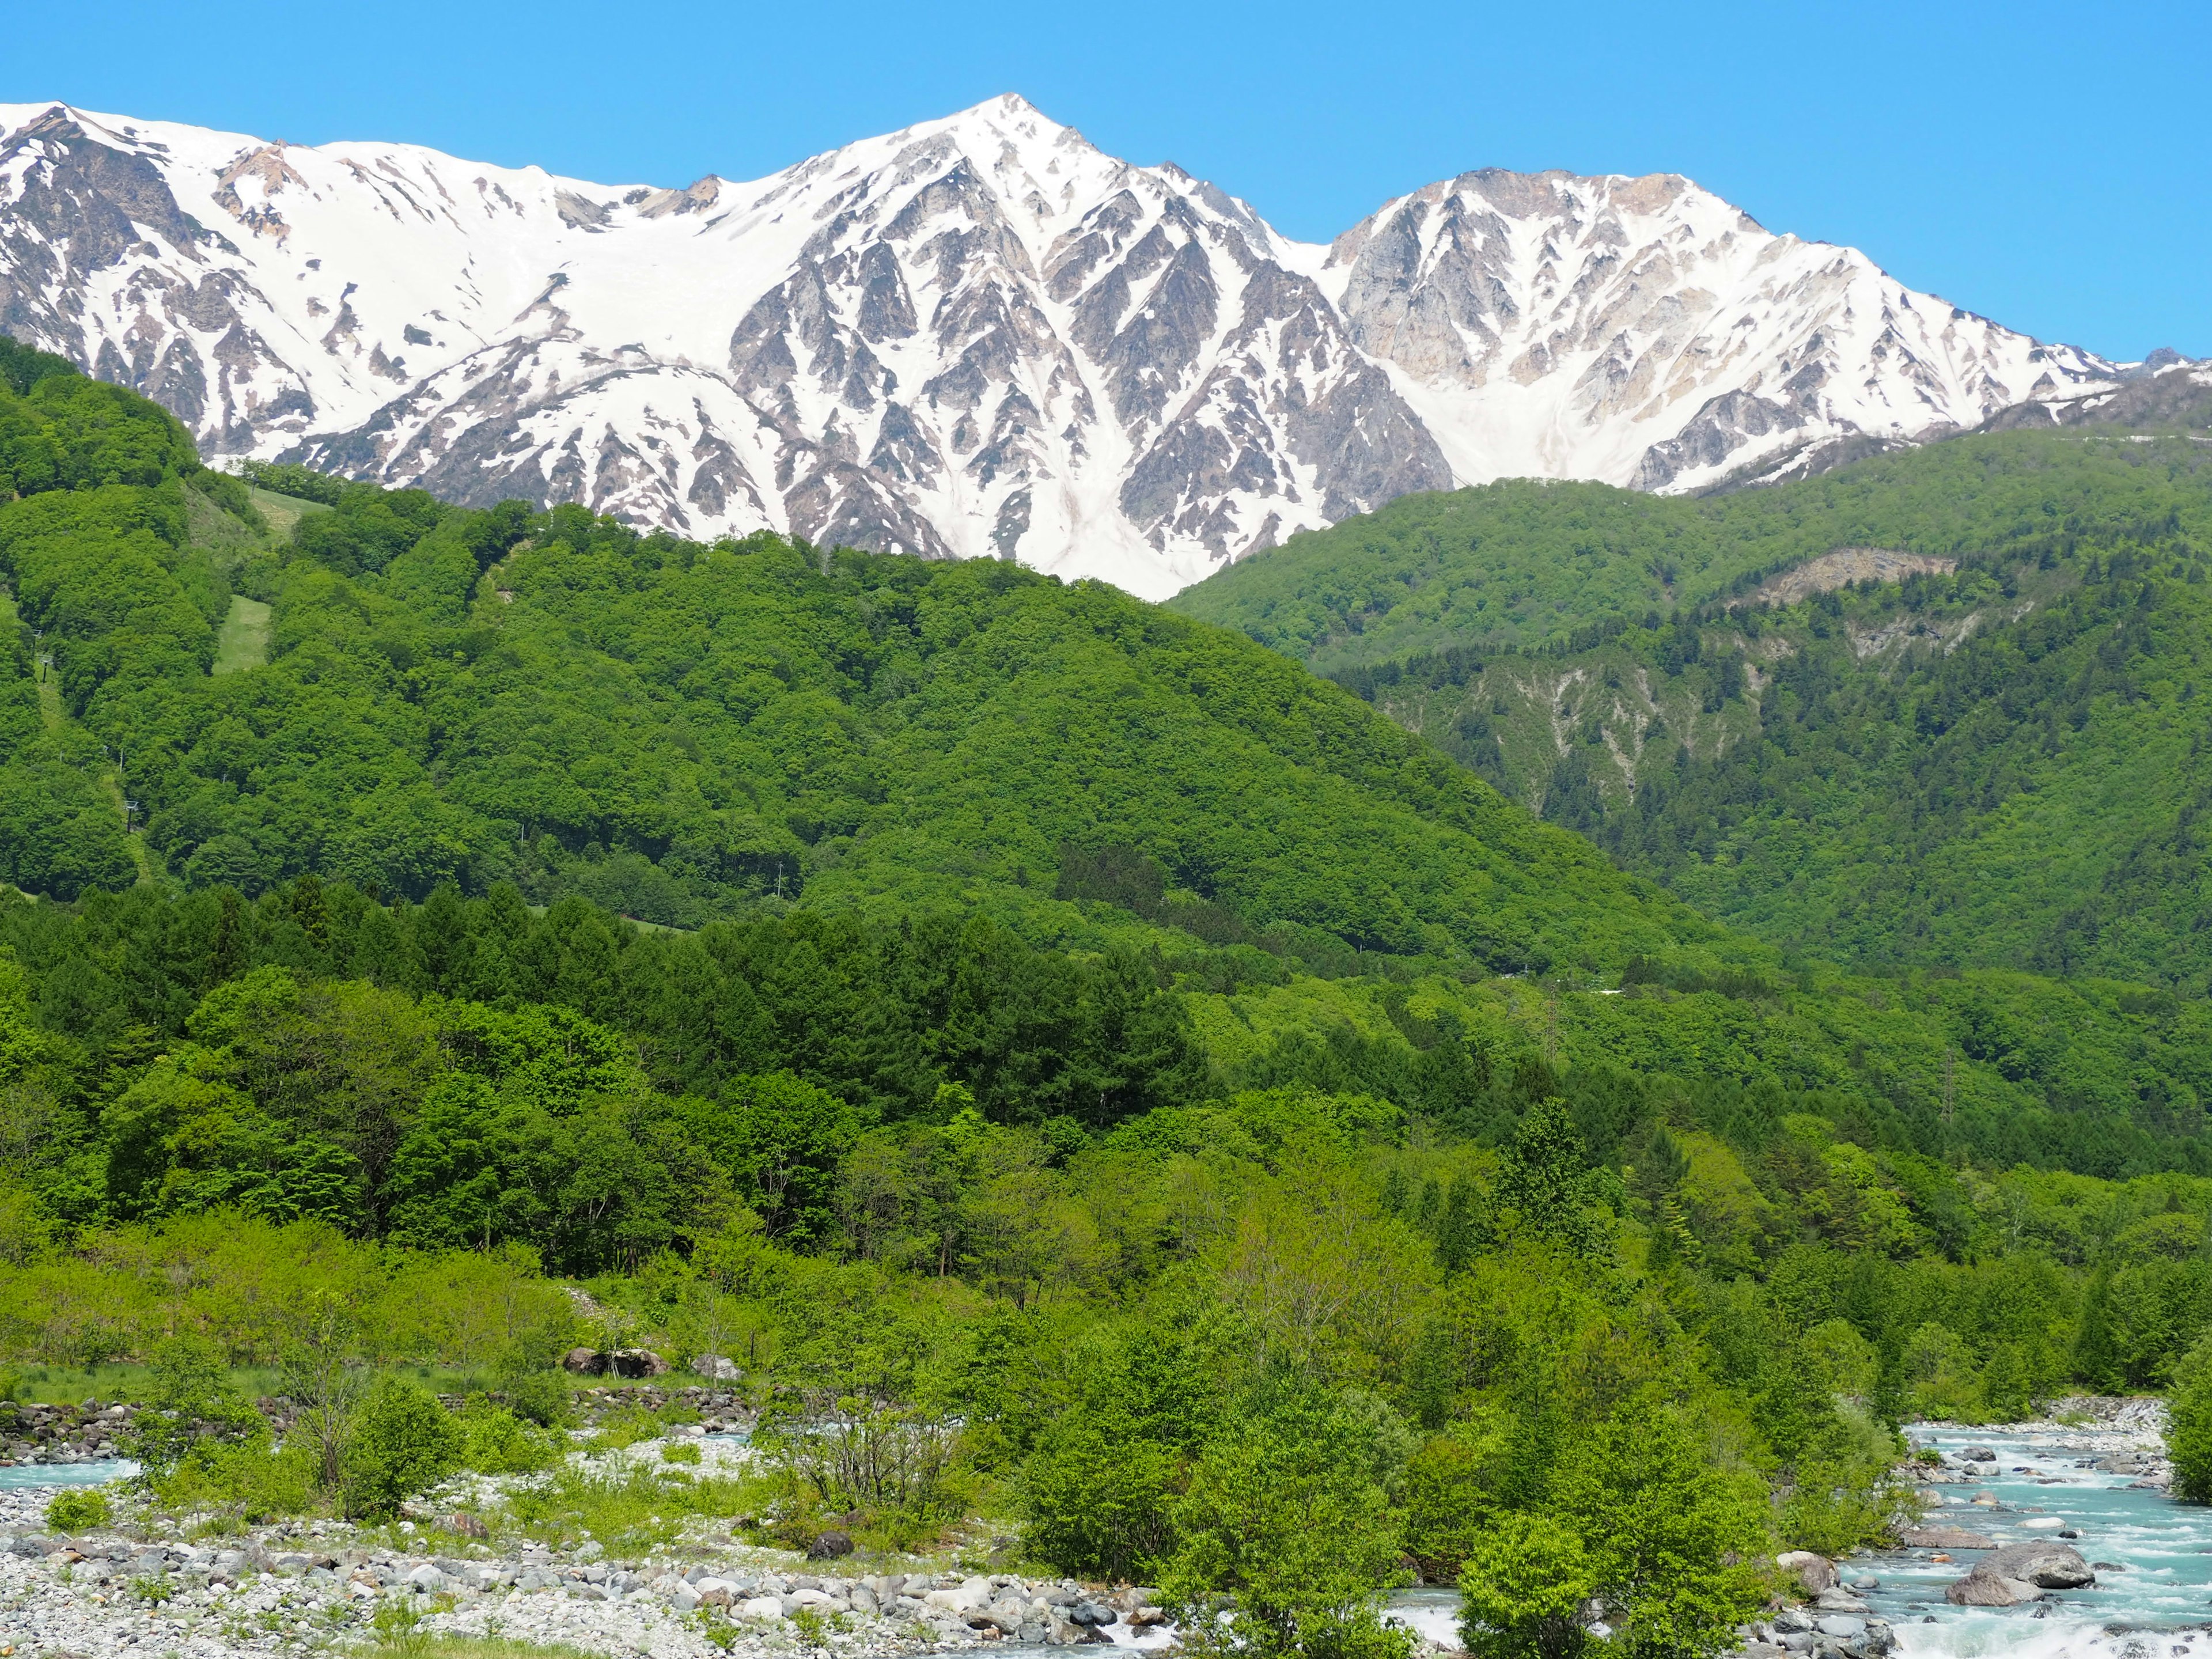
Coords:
pixel 2047 165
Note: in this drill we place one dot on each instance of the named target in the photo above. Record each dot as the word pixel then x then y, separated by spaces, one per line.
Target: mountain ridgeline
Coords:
pixel 980 336
pixel 1940 708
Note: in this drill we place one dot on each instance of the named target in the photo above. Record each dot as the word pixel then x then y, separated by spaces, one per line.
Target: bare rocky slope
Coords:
pixel 977 336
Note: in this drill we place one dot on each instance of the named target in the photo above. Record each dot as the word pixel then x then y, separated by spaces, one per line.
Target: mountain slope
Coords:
pixel 980 336
pixel 687 731
pixel 1523 564
pixel 1942 708
pixel 1643 332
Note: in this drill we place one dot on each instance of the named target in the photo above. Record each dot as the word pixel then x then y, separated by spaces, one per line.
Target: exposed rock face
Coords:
pixel 2170 391
pixel 979 337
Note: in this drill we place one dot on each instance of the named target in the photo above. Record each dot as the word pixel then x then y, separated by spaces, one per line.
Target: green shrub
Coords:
pixel 1524 1587
pixel 245 1483
pixel 401 1441
pixel 2189 1438
pixel 679 1451
pixel 541 1397
pixel 626 1426
pixel 78 1511
pixel 191 1400
pixel 495 1441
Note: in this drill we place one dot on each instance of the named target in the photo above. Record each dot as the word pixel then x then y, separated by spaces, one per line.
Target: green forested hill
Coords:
pixel 2001 762
pixel 2000 765
pixel 1143 1077
pixel 1525 564
pixel 682 731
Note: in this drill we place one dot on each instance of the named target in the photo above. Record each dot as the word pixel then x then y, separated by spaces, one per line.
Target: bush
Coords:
pixel 679 1451
pixel 78 1511
pixel 191 1400
pixel 495 1441
pixel 541 1397
pixel 401 1441
pixel 1286 1542
pixel 2189 1438
pixel 1525 1585
pixel 246 1482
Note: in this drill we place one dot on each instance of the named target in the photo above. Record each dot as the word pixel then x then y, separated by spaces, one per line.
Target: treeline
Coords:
pixel 464 1071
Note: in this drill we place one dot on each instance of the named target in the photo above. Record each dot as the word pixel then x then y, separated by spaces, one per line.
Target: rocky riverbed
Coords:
pixel 295 1589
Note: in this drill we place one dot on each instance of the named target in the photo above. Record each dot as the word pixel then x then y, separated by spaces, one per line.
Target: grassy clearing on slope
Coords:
pixel 243 641
pixel 282 512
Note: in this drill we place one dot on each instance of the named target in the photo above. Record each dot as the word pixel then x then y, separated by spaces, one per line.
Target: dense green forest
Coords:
pixel 2000 764
pixel 681 731
pixel 1997 758
pixel 1524 563
pixel 1457 1265
pixel 1144 1085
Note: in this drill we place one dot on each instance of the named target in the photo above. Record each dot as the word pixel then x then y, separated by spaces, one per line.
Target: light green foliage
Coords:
pixel 191 1401
pixel 1453 1483
pixel 401 1442
pixel 1668 1538
pixel 1285 1540
pixel 244 1482
pixel 1525 1589
pixel 1101 1477
pixel 629 1508
pixel 79 1510
pixel 243 641
pixel 541 1397
pixel 493 1440
pixel 2189 1438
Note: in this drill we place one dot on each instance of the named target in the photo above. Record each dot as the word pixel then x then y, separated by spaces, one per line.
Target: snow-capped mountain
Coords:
pixel 980 336
pixel 1645 332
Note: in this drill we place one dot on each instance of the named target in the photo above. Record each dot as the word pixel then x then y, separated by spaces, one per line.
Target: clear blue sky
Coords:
pixel 2048 165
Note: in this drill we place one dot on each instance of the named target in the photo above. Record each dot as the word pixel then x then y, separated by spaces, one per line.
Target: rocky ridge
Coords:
pixel 978 337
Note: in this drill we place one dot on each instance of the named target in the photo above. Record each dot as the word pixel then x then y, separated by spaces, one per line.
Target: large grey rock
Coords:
pixel 2021 1572
pixel 1815 1572
pixel 2044 1563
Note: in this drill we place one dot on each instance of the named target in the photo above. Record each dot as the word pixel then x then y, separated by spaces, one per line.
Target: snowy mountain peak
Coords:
pixel 978 336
